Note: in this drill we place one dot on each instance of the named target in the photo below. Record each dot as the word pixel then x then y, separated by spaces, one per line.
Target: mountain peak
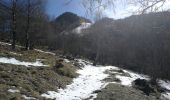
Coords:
pixel 68 21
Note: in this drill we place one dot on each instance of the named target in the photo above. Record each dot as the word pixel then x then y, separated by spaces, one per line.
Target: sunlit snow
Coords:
pixel 127 80
pixel 13 90
pixel 166 95
pixel 17 62
pixel 66 60
pixel 164 84
pixel 90 79
pixel 82 26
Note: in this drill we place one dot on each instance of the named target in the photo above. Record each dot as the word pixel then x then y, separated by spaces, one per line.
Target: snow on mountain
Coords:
pixel 83 25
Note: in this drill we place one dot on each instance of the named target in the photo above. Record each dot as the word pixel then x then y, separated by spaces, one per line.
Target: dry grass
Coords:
pixel 32 81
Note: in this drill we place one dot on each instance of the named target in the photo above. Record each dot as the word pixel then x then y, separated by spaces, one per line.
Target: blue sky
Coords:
pixel 55 8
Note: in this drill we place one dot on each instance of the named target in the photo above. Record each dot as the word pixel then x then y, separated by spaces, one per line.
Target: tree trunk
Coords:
pixel 27 44
pixel 13 24
pixel 97 56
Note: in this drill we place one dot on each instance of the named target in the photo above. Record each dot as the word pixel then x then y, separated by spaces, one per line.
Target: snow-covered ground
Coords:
pixel 3 43
pixel 17 62
pixel 166 95
pixel 165 85
pixel 90 79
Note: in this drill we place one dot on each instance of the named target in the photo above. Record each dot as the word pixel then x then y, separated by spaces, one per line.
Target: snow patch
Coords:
pixel 165 95
pixel 89 80
pixel 13 90
pixel 84 62
pixel 164 84
pixel 127 80
pixel 82 26
pixel 9 44
pixel 17 62
pixel 3 43
pixel 66 60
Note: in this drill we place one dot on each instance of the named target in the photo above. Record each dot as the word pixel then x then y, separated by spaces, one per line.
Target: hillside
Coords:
pixel 25 75
pixel 36 74
pixel 140 43
pixel 68 21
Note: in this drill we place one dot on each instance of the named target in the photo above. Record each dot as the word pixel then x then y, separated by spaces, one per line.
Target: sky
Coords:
pixel 55 8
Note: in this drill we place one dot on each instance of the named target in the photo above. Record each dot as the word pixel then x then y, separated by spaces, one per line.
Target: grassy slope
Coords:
pixel 32 81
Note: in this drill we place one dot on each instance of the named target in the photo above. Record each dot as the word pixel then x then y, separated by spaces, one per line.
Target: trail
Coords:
pixel 90 79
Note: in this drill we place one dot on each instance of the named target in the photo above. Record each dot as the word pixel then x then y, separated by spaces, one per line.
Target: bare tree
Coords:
pixel 145 6
pixel 13 23
pixel 97 7
pixel 28 24
pixel 33 10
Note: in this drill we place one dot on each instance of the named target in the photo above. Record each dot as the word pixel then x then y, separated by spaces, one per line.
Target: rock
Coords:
pixel 112 79
pixel 141 82
pixel 70 57
pixel 144 86
pixel 97 91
